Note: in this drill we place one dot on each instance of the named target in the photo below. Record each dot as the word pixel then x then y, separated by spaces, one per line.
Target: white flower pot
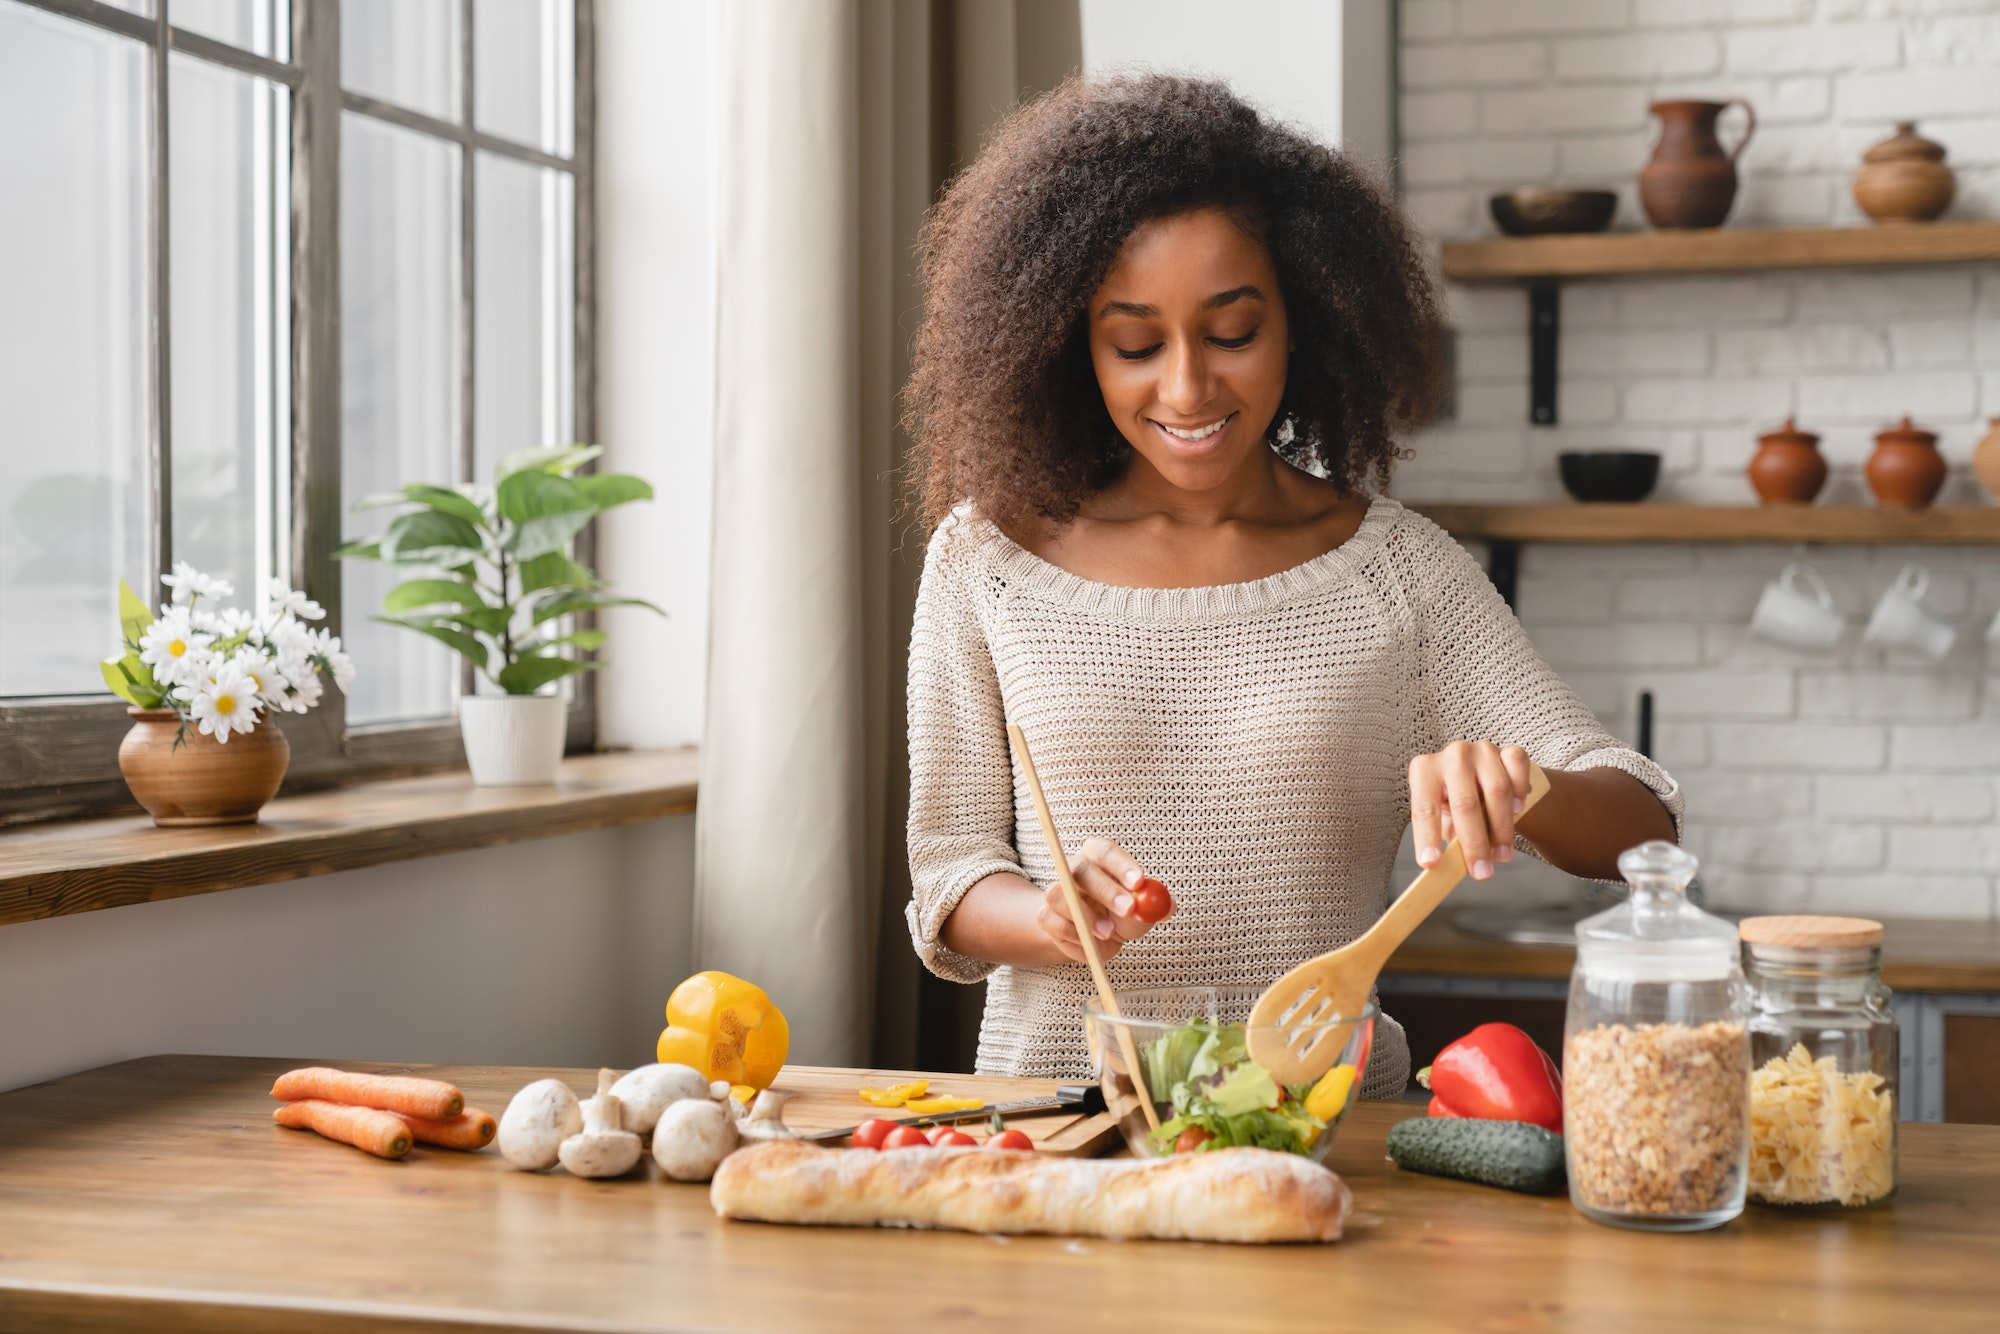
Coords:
pixel 513 740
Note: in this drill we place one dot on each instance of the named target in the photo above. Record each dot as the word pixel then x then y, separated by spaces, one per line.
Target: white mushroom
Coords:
pixel 538 1120
pixel 604 1148
pixel 649 1090
pixel 692 1139
pixel 719 1090
pixel 766 1119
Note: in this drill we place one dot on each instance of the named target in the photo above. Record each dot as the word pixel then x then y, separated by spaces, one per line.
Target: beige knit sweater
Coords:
pixel 1248 743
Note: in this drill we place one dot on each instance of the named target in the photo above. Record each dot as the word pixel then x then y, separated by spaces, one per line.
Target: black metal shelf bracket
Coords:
pixel 1544 328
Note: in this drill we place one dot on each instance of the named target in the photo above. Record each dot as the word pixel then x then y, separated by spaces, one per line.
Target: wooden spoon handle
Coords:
pixel 1077 917
pixel 1428 890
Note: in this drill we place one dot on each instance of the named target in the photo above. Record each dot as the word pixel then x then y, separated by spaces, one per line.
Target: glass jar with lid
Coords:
pixel 1656 1062
pixel 1823 1057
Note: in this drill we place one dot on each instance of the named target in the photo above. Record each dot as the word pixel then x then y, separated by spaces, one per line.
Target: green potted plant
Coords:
pixel 488 572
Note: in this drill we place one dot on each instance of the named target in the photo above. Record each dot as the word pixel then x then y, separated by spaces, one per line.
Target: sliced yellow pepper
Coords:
pixel 726 1028
pixel 1329 1097
pixel 896 1095
pixel 743 1093
pixel 937 1106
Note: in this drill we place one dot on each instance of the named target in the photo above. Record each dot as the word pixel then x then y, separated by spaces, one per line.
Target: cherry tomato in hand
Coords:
pixel 906 1137
pixel 950 1137
pixel 870 1134
pixel 1192 1139
pixel 1010 1139
pixel 1151 902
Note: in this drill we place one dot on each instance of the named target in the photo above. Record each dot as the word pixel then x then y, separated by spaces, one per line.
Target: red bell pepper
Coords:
pixel 1496 1073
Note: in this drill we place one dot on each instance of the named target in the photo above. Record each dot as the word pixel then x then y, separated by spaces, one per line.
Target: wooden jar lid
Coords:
pixel 1811 932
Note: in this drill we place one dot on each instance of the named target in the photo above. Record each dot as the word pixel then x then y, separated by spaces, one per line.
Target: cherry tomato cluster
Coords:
pixel 881 1134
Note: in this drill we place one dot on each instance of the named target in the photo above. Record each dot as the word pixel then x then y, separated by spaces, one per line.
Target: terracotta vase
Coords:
pixel 1904 179
pixel 1986 462
pixel 201 781
pixel 1690 182
pixel 1906 470
pixel 1787 468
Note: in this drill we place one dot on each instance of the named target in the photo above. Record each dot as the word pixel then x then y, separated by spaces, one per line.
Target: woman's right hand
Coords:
pixel 1106 878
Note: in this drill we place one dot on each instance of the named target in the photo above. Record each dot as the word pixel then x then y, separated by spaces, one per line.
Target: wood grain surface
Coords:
pixel 157 1195
pixel 1968 525
pixel 1918 954
pixel 51 870
pixel 1719 250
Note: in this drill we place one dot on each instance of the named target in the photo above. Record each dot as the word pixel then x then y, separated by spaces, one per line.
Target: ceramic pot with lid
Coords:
pixel 1690 182
pixel 1787 468
pixel 1906 470
pixel 1656 1056
pixel 1986 460
pixel 1904 179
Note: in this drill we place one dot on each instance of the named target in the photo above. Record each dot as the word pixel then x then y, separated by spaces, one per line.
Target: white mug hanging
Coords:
pixel 1798 617
pixel 1901 621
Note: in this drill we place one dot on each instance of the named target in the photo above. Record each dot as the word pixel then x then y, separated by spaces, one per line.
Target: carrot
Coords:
pixel 380 1133
pixel 432 1099
pixel 472 1129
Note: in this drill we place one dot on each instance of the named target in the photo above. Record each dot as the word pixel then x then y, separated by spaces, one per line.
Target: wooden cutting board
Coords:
pixel 828 1099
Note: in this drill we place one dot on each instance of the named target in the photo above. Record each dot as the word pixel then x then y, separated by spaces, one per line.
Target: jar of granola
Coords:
pixel 1656 1061
pixel 1822 1063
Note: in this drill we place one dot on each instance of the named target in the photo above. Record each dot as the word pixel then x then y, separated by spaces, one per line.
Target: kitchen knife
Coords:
pixel 1083 1099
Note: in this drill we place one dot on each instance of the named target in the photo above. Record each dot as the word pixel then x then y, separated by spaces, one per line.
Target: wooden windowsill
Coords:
pixel 81 866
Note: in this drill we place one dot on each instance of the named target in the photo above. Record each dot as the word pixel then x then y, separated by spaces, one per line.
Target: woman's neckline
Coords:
pixel 1025 567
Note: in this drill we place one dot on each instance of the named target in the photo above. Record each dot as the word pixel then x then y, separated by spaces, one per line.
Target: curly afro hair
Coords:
pixel 1002 403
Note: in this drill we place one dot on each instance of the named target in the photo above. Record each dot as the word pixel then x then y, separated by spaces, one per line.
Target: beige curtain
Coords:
pixel 838 119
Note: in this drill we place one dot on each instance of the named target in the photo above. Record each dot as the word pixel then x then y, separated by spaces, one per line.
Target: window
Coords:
pixel 263 258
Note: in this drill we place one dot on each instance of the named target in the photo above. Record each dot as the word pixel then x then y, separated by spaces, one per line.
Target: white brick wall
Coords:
pixel 1856 781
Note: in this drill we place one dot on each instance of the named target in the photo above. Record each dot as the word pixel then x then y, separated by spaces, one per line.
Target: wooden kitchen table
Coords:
pixel 157 1195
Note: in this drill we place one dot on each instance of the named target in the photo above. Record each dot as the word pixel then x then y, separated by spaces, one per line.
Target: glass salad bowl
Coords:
pixel 1192 1049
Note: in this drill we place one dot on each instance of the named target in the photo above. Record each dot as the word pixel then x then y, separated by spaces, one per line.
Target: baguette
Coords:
pixel 1242 1195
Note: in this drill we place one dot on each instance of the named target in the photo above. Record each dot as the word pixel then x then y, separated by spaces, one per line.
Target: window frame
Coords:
pixel 59 754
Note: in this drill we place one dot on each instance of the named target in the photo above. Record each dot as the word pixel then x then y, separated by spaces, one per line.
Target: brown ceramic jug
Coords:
pixel 1906 470
pixel 1787 468
pixel 1986 461
pixel 1690 182
pixel 185 777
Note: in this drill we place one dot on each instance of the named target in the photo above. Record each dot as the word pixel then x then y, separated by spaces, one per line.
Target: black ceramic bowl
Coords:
pixel 1540 210
pixel 1609 474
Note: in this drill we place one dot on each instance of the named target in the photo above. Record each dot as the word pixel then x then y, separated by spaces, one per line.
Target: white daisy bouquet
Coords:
pixel 223 670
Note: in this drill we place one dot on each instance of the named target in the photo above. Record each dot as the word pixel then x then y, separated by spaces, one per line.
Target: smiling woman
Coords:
pixel 1166 351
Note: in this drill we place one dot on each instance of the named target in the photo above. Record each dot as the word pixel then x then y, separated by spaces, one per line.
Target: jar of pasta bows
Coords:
pixel 1823 1063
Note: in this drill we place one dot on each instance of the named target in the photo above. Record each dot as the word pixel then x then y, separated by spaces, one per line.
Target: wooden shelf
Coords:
pixel 83 865
pixel 1969 525
pixel 1718 250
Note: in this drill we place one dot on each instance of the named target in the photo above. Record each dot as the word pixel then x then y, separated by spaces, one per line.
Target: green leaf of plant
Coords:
pixel 141 694
pixel 417 593
pixel 429 536
pixel 531 494
pixel 133 615
pixel 555 569
pixel 550 532
pixel 487 620
pixel 583 639
pixel 358 550
pixel 606 489
pixel 528 675
pixel 568 604
pixel 554 459
pixel 445 501
pixel 458 640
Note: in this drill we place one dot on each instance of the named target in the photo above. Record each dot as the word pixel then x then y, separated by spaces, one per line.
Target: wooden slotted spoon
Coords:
pixel 1288 1032
pixel 1128 1048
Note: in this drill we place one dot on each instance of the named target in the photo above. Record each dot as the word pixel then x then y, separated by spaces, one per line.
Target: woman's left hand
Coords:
pixel 1471 790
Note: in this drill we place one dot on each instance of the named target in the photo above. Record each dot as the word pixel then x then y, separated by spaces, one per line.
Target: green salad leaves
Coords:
pixel 1216 1088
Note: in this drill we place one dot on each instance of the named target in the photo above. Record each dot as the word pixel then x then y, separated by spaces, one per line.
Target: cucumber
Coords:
pixel 1513 1155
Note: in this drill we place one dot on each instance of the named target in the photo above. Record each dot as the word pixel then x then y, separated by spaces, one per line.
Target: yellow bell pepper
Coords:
pixel 939 1106
pixel 1329 1097
pixel 896 1095
pixel 743 1093
pixel 727 1029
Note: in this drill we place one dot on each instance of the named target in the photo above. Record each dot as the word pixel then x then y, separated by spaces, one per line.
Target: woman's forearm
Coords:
pixel 1592 815
pixel 995 921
